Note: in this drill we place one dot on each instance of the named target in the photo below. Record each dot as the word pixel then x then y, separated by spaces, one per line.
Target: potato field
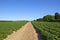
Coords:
pixel 49 30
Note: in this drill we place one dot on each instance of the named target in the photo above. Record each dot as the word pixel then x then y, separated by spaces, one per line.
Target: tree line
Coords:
pixel 50 18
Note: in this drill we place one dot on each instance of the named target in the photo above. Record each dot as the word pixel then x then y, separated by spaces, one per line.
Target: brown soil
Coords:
pixel 27 32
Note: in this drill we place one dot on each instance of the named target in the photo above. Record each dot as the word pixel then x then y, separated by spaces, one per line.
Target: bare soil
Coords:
pixel 27 32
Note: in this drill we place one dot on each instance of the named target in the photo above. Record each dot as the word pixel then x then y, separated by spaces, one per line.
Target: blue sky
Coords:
pixel 27 9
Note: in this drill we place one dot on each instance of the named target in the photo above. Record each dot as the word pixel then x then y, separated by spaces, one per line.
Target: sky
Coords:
pixel 27 9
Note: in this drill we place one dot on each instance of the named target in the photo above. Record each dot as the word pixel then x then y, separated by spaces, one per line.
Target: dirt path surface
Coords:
pixel 27 32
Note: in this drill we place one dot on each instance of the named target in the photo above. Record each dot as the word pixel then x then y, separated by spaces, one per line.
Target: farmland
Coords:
pixel 49 30
pixel 7 28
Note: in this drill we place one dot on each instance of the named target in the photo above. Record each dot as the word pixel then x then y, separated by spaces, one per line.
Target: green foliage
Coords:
pixel 57 16
pixel 51 30
pixel 48 18
pixel 40 19
pixel 7 28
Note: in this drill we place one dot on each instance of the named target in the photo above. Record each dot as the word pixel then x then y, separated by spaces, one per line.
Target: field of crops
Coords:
pixel 51 30
pixel 7 28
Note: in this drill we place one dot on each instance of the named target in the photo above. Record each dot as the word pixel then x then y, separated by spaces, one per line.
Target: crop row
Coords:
pixel 6 28
pixel 49 29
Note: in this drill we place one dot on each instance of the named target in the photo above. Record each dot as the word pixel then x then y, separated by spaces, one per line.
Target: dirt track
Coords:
pixel 27 32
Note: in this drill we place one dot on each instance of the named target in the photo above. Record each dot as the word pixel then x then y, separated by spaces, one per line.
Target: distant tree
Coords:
pixel 57 15
pixel 34 20
pixel 39 19
pixel 48 18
